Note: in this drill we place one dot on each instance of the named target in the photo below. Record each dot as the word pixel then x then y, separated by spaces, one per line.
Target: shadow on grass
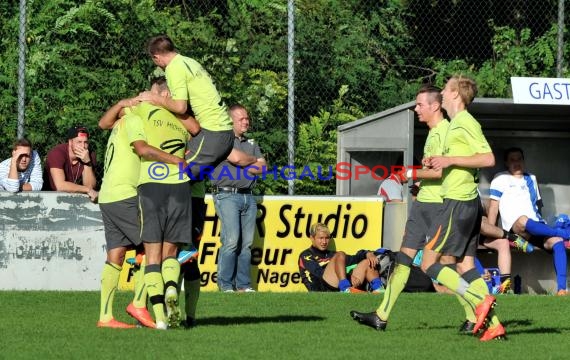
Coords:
pixel 240 320
pixel 542 330
pixel 536 330
pixel 518 322
pixel 424 325
pixel 512 327
pixel 507 323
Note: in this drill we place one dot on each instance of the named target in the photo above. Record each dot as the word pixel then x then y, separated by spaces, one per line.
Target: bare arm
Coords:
pixel 58 177
pixel 88 177
pixel 426 173
pixel 474 161
pixel 149 152
pixel 240 158
pixel 257 167
pixel 115 112
pixel 190 123
pixel 175 106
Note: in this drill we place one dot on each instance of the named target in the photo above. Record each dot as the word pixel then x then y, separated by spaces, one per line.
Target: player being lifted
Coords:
pixel 193 92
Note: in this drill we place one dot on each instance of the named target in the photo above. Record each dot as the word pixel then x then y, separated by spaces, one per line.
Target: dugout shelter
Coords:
pixel 542 131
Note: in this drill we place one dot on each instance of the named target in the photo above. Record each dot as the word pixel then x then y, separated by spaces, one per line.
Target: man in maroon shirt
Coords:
pixel 69 166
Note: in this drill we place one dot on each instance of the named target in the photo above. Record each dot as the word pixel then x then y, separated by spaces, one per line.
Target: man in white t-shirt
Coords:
pixel 514 194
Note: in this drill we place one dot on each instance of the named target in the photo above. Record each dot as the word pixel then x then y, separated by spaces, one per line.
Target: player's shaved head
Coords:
pixel 433 93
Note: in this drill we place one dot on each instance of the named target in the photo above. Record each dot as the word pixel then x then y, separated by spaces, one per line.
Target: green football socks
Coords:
pixel 109 281
pixel 468 308
pixel 396 285
pixel 170 271
pixel 139 299
pixel 155 288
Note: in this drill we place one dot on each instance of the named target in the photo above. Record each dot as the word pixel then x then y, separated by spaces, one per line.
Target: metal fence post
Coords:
pixel 560 53
pixel 291 90
pixel 21 69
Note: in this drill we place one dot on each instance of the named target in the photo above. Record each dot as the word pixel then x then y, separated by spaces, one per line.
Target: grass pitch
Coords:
pixel 280 326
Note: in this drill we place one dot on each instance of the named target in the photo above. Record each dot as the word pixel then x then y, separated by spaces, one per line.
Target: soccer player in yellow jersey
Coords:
pixel 422 214
pixel 444 212
pixel 159 138
pixel 193 92
pixel 118 201
pixel 455 230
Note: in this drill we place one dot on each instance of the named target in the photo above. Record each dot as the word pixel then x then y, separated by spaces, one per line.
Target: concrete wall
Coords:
pixel 50 241
pixel 55 241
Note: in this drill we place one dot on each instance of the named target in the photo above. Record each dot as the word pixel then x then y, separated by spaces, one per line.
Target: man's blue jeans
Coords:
pixel 237 213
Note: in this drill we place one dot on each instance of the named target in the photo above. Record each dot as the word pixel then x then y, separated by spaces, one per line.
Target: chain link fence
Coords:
pixel 466 30
pixel 349 59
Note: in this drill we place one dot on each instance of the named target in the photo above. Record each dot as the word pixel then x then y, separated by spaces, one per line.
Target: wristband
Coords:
pixel 409 173
pixel 88 163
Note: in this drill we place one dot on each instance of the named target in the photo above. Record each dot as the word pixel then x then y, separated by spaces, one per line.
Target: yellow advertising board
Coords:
pixel 282 233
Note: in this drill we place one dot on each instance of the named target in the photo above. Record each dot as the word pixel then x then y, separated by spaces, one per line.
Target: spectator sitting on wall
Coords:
pixel 23 171
pixel 69 166
pixel 326 270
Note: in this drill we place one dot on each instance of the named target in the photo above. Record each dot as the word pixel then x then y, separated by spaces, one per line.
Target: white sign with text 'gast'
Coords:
pixel 545 91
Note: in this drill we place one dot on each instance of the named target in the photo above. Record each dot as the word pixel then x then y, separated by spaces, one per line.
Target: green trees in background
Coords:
pixel 353 59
